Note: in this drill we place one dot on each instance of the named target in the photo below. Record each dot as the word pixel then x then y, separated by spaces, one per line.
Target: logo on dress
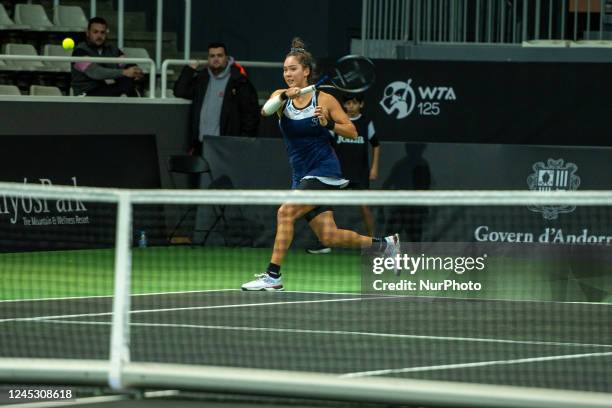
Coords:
pixel 398 98
pixel 552 176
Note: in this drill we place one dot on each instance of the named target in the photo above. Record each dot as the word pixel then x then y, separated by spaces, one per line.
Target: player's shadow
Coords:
pixel 411 172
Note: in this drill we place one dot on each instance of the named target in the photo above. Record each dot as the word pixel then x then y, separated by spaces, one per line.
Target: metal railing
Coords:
pixel 43 58
pixel 482 21
pixel 172 62
pixel 159 31
pixel 147 61
pixel 159 8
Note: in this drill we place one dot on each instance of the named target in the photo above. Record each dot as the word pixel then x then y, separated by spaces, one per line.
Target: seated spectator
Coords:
pixel 104 79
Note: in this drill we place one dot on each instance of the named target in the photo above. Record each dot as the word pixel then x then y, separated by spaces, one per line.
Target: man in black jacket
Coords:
pixel 103 79
pixel 224 100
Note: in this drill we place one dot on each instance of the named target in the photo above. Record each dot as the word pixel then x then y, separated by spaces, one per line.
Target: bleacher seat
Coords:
pixel 57 51
pixel 169 93
pixel 591 44
pixel 9 90
pixel 22 49
pixel 7 24
pixel 546 43
pixel 70 18
pixel 34 16
pixel 39 90
pixel 131 52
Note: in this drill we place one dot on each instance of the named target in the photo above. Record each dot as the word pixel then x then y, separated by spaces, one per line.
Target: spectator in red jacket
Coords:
pixel 224 100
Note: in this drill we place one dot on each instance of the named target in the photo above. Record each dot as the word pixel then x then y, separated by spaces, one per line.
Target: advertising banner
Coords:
pixel 70 160
pixel 491 102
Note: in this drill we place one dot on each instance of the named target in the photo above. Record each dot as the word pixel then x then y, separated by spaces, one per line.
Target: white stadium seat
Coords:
pixel 55 50
pixel 40 90
pixel 22 49
pixel 9 90
pixel 7 24
pixel 34 16
pixel 70 18
pixel 131 52
pixel 546 43
pixel 591 44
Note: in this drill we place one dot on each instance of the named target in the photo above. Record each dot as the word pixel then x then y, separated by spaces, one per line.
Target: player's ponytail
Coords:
pixel 298 50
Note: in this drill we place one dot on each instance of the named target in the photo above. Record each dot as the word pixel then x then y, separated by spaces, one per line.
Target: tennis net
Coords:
pixel 495 298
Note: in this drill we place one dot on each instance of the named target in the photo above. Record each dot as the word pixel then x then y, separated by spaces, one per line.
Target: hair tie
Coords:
pixel 297 49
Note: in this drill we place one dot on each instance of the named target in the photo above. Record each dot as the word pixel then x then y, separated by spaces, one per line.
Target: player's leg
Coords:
pixel 320 247
pixel 368 219
pixel 286 216
pixel 324 226
pixel 285 223
pixel 330 235
pixel 366 214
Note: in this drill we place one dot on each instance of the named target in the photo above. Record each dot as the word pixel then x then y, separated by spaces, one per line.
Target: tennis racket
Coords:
pixel 352 73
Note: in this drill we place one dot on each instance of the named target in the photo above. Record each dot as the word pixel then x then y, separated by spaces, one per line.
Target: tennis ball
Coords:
pixel 68 43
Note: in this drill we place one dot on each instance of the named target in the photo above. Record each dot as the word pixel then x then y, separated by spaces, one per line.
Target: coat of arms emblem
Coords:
pixel 551 176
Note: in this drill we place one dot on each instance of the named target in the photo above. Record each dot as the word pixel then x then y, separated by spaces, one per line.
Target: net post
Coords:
pixel 120 330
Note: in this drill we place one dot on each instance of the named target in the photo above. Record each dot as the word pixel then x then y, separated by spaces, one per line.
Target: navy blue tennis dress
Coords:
pixel 309 148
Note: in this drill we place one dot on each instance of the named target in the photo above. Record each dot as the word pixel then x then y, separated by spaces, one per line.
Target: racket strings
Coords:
pixel 354 74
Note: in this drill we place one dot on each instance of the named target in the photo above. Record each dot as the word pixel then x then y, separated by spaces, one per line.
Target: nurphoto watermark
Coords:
pixel 415 269
pixel 488 270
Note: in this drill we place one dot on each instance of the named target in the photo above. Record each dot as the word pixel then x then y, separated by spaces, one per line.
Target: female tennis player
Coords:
pixel 305 122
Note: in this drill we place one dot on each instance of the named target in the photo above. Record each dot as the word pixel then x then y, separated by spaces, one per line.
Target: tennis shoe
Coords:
pixel 319 249
pixel 264 282
pixel 393 250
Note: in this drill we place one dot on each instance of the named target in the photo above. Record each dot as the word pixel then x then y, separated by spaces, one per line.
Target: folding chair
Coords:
pixel 198 166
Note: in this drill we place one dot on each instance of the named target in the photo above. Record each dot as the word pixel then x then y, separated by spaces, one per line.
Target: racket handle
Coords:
pixel 272 105
pixel 308 89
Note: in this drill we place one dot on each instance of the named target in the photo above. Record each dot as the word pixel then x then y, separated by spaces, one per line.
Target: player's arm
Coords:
pixel 333 117
pixel 272 105
pixel 375 151
pixel 375 160
pixel 277 100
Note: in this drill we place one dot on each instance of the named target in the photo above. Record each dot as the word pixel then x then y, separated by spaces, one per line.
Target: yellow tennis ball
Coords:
pixel 68 43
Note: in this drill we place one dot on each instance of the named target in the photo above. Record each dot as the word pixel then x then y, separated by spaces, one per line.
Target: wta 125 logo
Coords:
pixel 399 99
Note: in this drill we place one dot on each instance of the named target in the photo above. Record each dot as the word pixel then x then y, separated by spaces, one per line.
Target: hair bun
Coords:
pixel 304 57
pixel 297 44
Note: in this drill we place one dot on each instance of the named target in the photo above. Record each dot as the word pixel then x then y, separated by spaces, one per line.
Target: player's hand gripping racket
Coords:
pixel 352 73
